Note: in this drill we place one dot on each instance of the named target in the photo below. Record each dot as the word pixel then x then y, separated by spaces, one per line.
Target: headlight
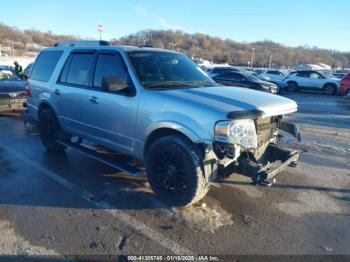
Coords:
pixel 241 132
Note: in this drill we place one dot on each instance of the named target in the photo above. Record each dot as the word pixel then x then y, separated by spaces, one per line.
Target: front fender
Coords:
pixel 175 126
pixel 195 130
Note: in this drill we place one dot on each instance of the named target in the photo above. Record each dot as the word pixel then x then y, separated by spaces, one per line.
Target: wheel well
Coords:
pixel 330 84
pixel 292 81
pixel 161 132
pixel 42 107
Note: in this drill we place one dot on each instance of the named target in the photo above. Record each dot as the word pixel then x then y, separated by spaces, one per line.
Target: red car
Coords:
pixel 345 85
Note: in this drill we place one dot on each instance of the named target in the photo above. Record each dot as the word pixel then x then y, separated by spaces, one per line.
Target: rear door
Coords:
pixel 70 91
pixel 302 78
pixel 111 115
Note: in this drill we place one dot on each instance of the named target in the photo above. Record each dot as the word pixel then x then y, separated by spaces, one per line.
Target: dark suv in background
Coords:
pixel 247 80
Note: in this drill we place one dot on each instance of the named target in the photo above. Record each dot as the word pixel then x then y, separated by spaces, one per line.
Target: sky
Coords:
pixel 321 23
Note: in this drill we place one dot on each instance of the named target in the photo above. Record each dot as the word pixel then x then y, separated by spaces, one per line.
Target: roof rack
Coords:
pixel 81 43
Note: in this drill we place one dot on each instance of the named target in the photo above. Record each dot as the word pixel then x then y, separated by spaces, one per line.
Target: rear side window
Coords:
pixel 225 75
pixel 77 69
pixel 45 65
pixel 303 74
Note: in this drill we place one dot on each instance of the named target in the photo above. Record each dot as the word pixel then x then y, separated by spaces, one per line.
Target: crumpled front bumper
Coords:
pixel 272 162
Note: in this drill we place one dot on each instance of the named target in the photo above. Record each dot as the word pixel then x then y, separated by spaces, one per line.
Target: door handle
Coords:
pixel 57 91
pixel 93 100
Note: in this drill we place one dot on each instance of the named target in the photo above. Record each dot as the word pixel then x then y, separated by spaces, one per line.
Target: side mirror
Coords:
pixel 113 84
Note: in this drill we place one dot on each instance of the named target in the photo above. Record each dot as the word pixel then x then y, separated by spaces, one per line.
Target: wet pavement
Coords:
pixel 68 204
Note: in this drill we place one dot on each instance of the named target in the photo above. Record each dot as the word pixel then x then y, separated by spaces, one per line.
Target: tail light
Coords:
pixel 27 91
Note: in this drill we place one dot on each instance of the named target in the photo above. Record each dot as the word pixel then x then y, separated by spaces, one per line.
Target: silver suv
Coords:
pixel 159 107
pixel 313 80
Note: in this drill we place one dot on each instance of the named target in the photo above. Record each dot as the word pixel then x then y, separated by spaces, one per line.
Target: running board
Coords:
pixel 131 170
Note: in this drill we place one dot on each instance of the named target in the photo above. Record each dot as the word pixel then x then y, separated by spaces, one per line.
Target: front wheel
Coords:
pixel 50 131
pixel 174 171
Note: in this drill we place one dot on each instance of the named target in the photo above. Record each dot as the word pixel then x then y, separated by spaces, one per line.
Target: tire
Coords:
pixel 330 89
pixel 293 86
pixel 50 131
pixel 174 171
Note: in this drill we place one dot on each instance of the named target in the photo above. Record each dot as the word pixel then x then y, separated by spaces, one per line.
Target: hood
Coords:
pixel 227 99
pixel 12 86
pixel 265 83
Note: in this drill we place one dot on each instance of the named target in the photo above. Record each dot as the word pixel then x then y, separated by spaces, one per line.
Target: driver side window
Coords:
pixel 315 75
pixel 237 77
pixel 109 65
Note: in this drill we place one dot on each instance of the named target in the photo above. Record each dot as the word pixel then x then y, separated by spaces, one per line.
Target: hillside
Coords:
pixel 221 51
pixel 195 45
pixel 28 40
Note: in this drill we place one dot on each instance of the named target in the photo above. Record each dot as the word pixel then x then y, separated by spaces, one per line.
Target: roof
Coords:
pixel 103 45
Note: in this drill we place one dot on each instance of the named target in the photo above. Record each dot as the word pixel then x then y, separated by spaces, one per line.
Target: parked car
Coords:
pixel 247 80
pixel 312 80
pixel 274 75
pixel 339 75
pixel 214 71
pixel 157 106
pixel 12 90
pixel 345 85
pixel 280 83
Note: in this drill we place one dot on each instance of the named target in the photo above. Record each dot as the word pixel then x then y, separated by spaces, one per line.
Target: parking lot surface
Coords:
pixel 68 204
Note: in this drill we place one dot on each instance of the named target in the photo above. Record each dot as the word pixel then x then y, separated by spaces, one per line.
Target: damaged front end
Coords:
pixel 260 160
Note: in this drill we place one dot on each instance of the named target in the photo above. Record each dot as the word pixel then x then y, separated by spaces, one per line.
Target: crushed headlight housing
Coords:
pixel 241 132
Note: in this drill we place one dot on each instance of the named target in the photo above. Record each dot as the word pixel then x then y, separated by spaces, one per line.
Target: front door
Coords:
pixel 111 116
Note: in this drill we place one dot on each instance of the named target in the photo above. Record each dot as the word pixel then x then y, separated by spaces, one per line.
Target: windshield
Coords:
pixel 328 75
pixel 168 70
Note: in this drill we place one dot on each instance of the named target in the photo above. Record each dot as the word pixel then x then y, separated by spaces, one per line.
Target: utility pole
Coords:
pixel 100 30
pixel 252 61
pixel 270 61
pixel 13 50
pixel 0 44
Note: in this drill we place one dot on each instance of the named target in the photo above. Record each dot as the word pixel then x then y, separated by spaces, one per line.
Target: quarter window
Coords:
pixel 45 65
